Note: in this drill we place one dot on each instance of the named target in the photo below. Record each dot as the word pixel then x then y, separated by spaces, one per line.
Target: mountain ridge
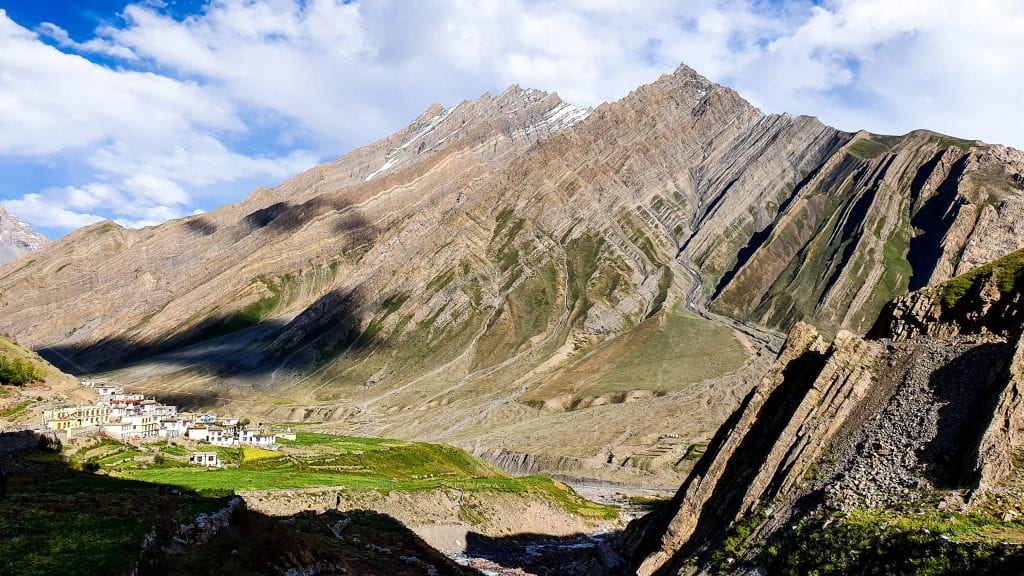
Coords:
pixel 477 291
pixel 16 237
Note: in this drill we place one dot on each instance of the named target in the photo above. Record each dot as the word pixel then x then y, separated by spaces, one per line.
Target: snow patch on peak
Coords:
pixel 397 155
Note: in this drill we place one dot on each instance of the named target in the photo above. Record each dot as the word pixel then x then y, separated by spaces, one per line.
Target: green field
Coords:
pixel 58 520
pixel 61 522
pixel 325 460
pixel 86 524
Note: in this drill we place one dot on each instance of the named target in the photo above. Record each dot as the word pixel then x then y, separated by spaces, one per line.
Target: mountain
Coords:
pixel 16 237
pixel 900 453
pixel 547 286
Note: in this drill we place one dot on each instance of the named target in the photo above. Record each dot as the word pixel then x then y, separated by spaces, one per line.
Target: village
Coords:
pixel 129 417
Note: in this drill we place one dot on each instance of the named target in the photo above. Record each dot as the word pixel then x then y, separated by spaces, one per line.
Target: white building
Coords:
pixel 107 390
pixel 75 417
pixel 255 437
pixel 118 430
pixel 204 459
pixel 198 432
pixel 143 426
pixel 221 436
pixel 172 428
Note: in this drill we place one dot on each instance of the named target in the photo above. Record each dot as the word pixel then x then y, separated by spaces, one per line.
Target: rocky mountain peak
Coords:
pixel 16 237
pixel 514 113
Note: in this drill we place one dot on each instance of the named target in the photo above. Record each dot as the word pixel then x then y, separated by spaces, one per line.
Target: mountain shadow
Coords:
pixel 231 345
pixel 56 520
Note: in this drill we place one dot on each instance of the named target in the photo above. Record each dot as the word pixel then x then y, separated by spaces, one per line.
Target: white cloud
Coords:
pixel 896 66
pixel 41 210
pixel 243 91
pixel 150 141
pixel 96 45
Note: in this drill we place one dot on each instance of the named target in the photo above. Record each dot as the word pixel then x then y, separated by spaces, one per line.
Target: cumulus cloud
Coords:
pixel 167 113
pixel 146 139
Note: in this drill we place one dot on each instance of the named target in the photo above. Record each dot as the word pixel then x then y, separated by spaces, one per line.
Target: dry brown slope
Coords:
pixel 502 245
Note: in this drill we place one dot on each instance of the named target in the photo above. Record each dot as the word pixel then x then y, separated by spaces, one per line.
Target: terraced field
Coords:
pixel 315 460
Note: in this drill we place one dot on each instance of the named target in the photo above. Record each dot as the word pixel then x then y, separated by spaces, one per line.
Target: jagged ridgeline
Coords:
pixel 901 453
pixel 516 269
pixel 16 237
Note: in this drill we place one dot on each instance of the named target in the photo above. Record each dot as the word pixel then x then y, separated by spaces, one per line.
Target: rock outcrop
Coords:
pixel 986 300
pixel 16 237
pixel 766 449
pixel 932 407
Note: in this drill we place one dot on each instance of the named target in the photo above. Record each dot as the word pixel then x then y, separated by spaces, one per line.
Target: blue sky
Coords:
pixel 148 110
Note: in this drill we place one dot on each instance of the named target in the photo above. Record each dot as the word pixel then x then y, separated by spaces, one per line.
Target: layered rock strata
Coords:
pixel 496 275
pixel 932 407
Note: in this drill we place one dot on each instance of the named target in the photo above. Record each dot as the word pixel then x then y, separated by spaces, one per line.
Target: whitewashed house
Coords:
pixel 198 432
pixel 172 428
pixel 106 391
pixel 143 426
pixel 264 439
pixel 118 430
pixel 204 459
pixel 256 437
pixel 221 436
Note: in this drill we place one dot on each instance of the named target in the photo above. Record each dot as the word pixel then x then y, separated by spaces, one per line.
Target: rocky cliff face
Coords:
pixel 926 416
pixel 516 269
pixel 986 300
pixel 878 216
pixel 16 237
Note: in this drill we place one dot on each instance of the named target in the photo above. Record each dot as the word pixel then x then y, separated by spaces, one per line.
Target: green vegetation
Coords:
pixel 18 371
pixel 174 450
pixel 950 142
pixel 82 524
pixel 695 451
pixel 16 408
pixel 441 281
pixel 17 366
pixel 56 521
pixel 263 307
pixel 737 539
pixel 667 352
pixel 648 501
pixel 867 149
pixel 1009 275
pixel 392 303
pixel 635 228
pixel 90 543
pixel 664 283
pixel 318 460
pixel 896 271
pixel 529 310
pixel 869 541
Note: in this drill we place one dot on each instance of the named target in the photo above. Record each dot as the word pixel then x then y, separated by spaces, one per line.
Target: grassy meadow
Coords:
pixel 316 460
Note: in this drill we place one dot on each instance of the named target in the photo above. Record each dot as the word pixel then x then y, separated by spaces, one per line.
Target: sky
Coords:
pixel 150 110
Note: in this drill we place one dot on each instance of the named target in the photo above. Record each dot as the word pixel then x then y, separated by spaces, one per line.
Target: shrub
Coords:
pixel 18 372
